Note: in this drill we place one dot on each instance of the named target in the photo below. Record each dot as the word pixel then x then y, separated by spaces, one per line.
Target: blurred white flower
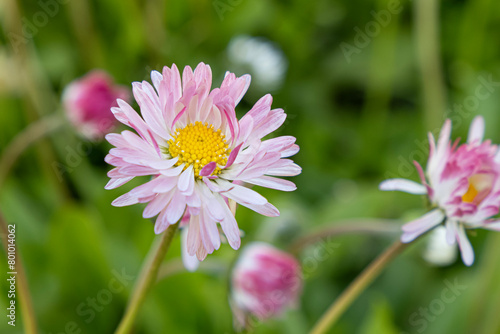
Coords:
pixel 264 60
pixel 438 252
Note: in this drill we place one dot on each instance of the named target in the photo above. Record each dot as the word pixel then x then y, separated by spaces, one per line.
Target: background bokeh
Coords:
pixel 360 116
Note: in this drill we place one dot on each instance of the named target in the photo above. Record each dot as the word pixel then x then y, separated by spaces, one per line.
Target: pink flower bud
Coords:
pixel 265 281
pixel 88 101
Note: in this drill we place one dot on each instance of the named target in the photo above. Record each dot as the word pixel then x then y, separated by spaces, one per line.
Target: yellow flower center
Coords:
pixel 199 144
pixel 479 187
pixel 470 195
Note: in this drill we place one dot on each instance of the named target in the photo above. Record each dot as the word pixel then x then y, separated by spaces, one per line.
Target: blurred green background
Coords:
pixel 358 119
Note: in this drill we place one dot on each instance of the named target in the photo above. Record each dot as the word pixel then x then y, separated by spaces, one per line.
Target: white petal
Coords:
pixel 244 195
pixel 290 151
pixel 229 225
pixel 437 160
pixel 451 231
pixel 267 209
pixel 204 234
pixel 176 208
pixel 409 237
pixel 497 156
pixel 191 263
pixel 476 130
pixel 156 205
pixel 150 113
pixel 186 181
pixel 425 222
pixel 404 185
pixel 193 200
pixel 243 89
pixel 208 198
pixel 273 183
pixel 212 231
pixel 161 223
pixel 201 253
pixel 125 200
pixel 162 164
pixel 494 226
pixel 291 169
pixel 115 183
pixel 172 171
pixel 165 184
pixel 193 237
pixel 465 246
pixel 156 78
pixel 136 170
pixel 272 122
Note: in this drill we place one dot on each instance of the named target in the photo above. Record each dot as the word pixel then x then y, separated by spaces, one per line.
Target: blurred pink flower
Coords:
pixel 88 101
pixel 197 151
pixel 463 186
pixel 265 281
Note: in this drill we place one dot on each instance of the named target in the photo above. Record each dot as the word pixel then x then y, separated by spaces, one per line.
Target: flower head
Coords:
pixel 463 185
pixel 88 100
pixel 265 281
pixel 198 154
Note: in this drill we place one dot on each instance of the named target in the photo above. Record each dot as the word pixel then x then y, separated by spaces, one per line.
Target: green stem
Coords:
pixel 31 134
pixel 356 288
pixel 348 226
pixel 428 55
pixel 147 278
pixel 29 319
pixel 209 266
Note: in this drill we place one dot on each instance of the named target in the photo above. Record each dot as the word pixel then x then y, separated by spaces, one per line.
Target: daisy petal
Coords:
pixel 493 225
pixel 267 209
pixel 476 131
pixel 190 262
pixel 404 185
pixel 273 183
pixel 186 181
pixel 208 169
pixel 125 200
pixel 451 231
pixel 424 223
pixel 465 246
pixel 115 183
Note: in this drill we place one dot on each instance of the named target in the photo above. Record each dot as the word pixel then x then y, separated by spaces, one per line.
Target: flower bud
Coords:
pixel 438 252
pixel 88 101
pixel 265 281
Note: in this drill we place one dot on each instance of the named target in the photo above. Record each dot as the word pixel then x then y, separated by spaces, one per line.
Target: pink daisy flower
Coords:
pixel 198 153
pixel 265 281
pixel 87 102
pixel 462 184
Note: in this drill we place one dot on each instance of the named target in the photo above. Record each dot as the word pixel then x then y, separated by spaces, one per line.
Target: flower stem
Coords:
pixel 429 60
pixel 29 319
pixel 208 266
pixel 33 132
pixel 364 226
pixel 356 287
pixel 147 278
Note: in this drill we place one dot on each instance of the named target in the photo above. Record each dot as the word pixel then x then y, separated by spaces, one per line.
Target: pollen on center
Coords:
pixel 199 144
pixel 470 195
pixel 480 186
